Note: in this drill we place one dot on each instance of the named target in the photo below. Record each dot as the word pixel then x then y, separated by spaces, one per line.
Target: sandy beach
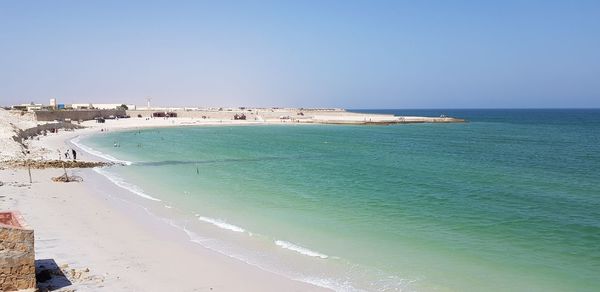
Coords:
pixel 299 146
pixel 103 242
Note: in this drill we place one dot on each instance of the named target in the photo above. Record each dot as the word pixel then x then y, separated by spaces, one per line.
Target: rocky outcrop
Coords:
pixel 42 164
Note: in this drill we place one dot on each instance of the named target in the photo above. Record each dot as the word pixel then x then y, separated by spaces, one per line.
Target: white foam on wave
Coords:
pixel 221 224
pixel 125 185
pixel 222 248
pixel 218 246
pixel 76 142
pixel 299 249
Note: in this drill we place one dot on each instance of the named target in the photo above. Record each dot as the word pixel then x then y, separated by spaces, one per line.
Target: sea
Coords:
pixel 508 201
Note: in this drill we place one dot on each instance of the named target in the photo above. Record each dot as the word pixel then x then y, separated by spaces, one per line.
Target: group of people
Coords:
pixel 68 154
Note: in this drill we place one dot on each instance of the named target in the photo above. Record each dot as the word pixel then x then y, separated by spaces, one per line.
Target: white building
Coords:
pixel 28 106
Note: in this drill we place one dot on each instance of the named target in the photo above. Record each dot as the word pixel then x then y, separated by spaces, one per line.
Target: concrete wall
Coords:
pixel 76 115
pixel 17 255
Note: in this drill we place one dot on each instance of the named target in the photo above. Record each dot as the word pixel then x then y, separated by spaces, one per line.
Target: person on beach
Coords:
pixel 74 154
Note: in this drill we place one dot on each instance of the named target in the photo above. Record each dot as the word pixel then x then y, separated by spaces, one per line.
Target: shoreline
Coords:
pixel 229 240
pixel 66 233
pixel 214 228
pixel 124 247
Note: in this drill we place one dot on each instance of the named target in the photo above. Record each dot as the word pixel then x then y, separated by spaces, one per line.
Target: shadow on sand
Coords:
pixel 49 276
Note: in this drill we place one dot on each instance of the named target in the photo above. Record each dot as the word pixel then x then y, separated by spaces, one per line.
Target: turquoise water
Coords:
pixel 507 202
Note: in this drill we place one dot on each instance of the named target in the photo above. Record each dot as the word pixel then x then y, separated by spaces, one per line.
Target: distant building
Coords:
pixel 81 106
pixel 28 107
pixel 53 103
pixel 101 106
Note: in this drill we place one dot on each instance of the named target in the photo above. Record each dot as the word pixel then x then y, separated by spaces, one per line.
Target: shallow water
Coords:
pixel 508 201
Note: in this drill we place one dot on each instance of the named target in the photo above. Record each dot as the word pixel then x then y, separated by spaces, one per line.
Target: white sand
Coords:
pixel 8 123
pixel 124 248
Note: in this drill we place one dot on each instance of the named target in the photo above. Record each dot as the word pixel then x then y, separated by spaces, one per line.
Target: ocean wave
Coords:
pixel 125 185
pixel 299 249
pixel 221 224
pixel 218 246
pixel 76 141
pixel 223 248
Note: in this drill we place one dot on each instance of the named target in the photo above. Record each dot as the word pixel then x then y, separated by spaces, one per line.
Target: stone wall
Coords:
pixel 38 130
pixel 17 255
pixel 76 115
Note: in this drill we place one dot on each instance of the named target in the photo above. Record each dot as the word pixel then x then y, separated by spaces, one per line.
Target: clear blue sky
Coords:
pixel 353 54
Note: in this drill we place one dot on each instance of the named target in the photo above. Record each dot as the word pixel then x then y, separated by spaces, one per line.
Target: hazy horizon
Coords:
pixel 347 54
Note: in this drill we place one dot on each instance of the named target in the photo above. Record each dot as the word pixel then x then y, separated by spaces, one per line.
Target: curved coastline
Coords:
pixel 328 283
